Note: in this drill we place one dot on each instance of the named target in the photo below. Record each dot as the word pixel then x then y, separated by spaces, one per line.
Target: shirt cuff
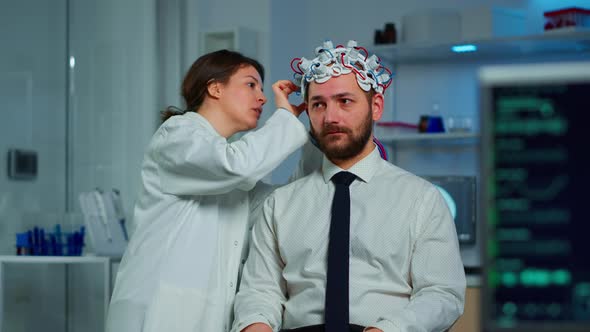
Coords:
pixel 288 116
pixel 249 320
pixel 385 326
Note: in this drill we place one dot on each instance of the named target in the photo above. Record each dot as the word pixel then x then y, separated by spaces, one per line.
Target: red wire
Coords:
pixel 299 71
pixel 350 67
pixel 385 86
pixel 381 148
pixel 363 49
pixel 390 77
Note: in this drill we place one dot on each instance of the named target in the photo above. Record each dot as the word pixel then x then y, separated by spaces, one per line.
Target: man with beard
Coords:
pixel 398 268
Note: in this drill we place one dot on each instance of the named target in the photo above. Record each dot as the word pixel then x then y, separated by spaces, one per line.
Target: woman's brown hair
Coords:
pixel 216 66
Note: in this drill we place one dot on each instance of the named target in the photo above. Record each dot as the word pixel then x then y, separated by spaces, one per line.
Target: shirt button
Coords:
pixel 231 284
pixel 235 243
pixel 243 261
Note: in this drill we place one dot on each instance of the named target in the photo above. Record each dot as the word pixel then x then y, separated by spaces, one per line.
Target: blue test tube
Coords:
pixel 36 241
pixel 59 240
pixel 42 243
pixel 53 250
pixel 30 239
pixel 23 245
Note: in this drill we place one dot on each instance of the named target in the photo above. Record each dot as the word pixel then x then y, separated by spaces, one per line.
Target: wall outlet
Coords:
pixel 22 164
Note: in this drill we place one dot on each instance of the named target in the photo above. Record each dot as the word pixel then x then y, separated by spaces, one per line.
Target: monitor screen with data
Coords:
pixel 535 200
pixel 459 193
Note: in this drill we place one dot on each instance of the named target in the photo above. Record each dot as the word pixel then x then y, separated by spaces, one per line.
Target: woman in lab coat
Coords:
pixel 180 270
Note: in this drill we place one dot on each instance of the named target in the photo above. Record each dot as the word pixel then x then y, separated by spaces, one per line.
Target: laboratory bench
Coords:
pixel 470 320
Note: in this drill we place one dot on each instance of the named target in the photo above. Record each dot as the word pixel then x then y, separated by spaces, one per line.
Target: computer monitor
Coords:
pixel 535 197
pixel 460 194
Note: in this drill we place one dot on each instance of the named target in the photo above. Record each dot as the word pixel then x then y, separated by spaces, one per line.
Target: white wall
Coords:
pixel 112 110
pixel 227 14
pixel 32 90
pixel 32 104
pixel 288 34
pixel 113 97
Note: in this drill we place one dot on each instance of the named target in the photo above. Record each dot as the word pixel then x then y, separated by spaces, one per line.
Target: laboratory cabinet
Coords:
pixel 417 141
pixel 554 46
pixel 59 293
pixel 526 47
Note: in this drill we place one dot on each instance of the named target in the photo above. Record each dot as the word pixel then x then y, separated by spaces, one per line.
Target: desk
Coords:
pixel 470 320
pixel 66 261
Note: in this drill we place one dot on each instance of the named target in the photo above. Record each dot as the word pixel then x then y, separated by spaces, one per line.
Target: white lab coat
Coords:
pixel 180 270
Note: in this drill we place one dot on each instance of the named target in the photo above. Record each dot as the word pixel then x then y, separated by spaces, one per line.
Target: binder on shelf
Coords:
pixel 104 221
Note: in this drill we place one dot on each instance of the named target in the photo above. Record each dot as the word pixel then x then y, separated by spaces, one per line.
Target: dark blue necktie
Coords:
pixel 336 311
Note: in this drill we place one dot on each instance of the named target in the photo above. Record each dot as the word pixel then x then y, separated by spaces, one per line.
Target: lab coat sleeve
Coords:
pixel 194 162
pixel 437 273
pixel 262 288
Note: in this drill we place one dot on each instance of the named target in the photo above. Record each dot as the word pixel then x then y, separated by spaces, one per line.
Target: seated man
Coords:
pixel 358 244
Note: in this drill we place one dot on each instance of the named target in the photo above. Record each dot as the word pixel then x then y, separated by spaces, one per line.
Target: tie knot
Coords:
pixel 345 178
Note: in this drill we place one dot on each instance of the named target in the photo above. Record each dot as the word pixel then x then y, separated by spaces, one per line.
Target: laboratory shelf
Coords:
pixel 53 259
pixel 554 42
pixel 392 138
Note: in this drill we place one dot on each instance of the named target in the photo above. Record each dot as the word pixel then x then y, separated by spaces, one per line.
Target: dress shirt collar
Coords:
pixel 364 169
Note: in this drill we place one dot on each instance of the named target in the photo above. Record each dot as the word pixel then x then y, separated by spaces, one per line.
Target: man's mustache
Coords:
pixel 334 128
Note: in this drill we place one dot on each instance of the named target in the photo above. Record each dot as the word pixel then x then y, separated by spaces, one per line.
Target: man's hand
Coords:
pixel 373 329
pixel 257 327
pixel 282 89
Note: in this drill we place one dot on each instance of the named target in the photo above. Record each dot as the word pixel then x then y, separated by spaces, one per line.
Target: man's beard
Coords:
pixel 355 145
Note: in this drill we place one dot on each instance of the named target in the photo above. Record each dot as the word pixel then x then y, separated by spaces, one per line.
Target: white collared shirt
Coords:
pixel 406 272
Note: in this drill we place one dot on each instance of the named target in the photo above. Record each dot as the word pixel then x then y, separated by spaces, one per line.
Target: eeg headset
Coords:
pixel 333 61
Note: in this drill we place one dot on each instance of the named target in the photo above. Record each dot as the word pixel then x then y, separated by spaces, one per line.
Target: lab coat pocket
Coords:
pixel 182 309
